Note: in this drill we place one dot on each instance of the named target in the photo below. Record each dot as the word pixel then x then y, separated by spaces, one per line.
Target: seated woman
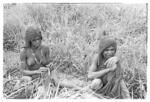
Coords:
pixel 105 71
pixel 35 56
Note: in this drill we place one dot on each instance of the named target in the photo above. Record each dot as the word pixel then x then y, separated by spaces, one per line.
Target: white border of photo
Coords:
pixel 71 1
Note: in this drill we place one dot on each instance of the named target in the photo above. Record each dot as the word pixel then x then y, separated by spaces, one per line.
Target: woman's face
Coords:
pixel 36 42
pixel 109 52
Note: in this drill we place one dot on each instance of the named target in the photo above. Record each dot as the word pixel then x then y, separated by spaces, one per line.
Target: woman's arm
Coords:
pixel 45 60
pixel 25 70
pixel 95 74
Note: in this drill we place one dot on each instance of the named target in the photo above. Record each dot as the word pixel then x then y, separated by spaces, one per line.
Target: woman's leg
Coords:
pixel 96 84
pixel 124 90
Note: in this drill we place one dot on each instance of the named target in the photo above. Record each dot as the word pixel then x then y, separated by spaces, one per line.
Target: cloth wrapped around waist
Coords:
pixel 111 84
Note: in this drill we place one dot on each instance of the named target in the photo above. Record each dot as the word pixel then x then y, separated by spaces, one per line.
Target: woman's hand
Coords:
pixel 37 72
pixel 113 67
pixel 44 68
pixel 41 70
pixel 111 61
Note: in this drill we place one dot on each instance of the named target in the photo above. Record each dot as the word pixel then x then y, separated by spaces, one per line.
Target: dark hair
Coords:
pixel 30 34
pixel 103 44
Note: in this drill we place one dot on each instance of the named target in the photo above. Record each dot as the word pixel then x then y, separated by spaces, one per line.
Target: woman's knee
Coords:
pixel 96 84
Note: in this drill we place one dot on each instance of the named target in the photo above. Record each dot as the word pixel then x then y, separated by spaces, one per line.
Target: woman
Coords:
pixel 35 56
pixel 105 71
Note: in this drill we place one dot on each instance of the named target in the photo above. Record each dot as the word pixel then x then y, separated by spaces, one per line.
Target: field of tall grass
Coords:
pixel 72 32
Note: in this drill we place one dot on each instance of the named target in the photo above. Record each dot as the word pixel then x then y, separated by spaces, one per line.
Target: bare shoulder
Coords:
pixel 95 58
pixel 93 66
pixel 24 53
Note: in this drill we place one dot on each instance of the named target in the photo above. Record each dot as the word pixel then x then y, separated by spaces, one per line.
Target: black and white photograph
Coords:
pixel 75 50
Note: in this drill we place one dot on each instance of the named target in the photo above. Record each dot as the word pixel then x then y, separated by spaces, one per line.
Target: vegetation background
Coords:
pixel 72 31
